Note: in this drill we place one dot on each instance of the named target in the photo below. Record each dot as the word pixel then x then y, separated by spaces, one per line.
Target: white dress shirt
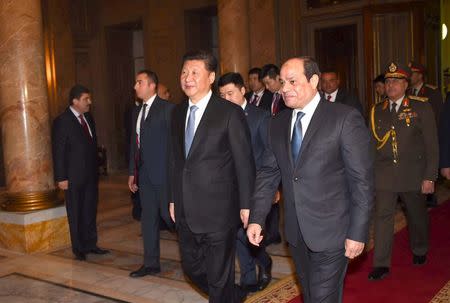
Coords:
pixel 259 94
pixel 244 104
pixel 397 103
pixel 149 103
pixel 200 111
pixel 308 110
pixel 77 115
pixel 333 96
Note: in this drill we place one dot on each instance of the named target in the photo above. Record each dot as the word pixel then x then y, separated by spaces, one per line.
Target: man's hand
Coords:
pixel 254 233
pixel 353 248
pixel 131 185
pixel 277 197
pixel 427 187
pixel 172 211
pixel 64 185
pixel 244 216
pixel 445 172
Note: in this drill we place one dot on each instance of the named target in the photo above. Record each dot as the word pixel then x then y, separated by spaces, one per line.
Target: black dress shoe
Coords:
pixel 419 260
pixel 99 251
pixel 378 273
pixel 144 271
pixel 80 256
pixel 264 275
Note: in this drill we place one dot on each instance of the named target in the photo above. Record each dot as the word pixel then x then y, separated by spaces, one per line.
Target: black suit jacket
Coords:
pixel 154 141
pixel 216 179
pixel 345 97
pixel 258 123
pixel 444 135
pixel 74 152
pixel 266 99
pixel 328 192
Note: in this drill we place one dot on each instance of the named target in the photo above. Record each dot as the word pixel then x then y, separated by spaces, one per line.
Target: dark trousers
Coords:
pixel 208 260
pixel 81 206
pixel 249 256
pixel 150 196
pixel 416 216
pixel 321 274
pixel 273 225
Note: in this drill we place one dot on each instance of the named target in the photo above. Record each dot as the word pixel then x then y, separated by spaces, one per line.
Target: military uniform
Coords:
pixel 406 155
pixel 427 93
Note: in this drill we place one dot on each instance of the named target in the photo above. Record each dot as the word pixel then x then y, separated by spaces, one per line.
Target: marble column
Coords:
pixel 24 109
pixel 234 42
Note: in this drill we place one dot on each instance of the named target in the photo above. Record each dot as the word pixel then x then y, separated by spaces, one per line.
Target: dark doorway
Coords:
pixel 337 49
pixel 202 29
pixel 121 44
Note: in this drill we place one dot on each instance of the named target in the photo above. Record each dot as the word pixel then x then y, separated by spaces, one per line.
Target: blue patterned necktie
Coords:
pixel 190 130
pixel 297 136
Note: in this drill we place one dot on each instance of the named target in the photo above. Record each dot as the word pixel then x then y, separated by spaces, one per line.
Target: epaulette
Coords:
pixel 417 98
pixel 431 86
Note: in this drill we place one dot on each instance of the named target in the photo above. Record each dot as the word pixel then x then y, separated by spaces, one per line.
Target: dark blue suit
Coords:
pixel 258 122
pixel 444 135
pixel 152 173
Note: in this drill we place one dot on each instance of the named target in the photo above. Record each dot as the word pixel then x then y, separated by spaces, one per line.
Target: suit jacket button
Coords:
pixel 296 179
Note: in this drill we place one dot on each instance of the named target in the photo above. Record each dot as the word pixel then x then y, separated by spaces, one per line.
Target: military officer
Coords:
pixel 406 165
pixel 424 92
pixel 428 93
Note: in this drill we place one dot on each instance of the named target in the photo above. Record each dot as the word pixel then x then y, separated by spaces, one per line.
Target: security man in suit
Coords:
pixel 258 94
pixel 406 165
pixel 231 87
pixel 74 143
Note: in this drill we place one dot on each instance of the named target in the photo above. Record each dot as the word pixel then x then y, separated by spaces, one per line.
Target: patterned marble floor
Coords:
pixel 56 277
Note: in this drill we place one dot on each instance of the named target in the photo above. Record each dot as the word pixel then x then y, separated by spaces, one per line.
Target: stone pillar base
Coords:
pixel 37 231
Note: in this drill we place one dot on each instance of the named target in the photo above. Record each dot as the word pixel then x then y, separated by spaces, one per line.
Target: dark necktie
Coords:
pixel 394 110
pixel 329 98
pixel 297 136
pixel 190 130
pixel 275 103
pixel 84 125
pixel 141 126
pixel 254 100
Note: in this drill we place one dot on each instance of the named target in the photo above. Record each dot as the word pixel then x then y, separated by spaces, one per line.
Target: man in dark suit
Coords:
pixel 406 165
pixel 75 166
pixel 322 154
pixel 329 82
pixel 212 179
pixel 270 75
pixel 258 95
pixel 444 139
pixel 148 165
pixel 231 87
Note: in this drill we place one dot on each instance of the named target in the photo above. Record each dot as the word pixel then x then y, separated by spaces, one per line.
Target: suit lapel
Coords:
pixel 338 96
pixel 286 131
pixel 314 125
pixel 75 121
pixel 182 123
